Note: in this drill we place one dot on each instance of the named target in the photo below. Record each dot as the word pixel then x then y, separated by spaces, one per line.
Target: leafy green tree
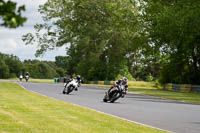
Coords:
pixel 39 69
pixel 10 14
pixel 15 65
pixel 99 34
pixel 11 66
pixel 4 69
pixel 45 70
pixel 61 61
pixel 61 72
pixel 173 27
pixel 33 70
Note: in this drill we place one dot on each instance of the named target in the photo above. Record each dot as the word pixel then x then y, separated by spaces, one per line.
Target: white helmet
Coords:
pixel 125 80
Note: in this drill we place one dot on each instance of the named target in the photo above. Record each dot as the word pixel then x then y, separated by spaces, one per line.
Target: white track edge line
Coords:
pixel 100 111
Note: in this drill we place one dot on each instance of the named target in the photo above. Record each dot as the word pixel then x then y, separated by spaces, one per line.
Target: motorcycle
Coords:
pixel 20 77
pixel 26 78
pixel 116 93
pixel 72 85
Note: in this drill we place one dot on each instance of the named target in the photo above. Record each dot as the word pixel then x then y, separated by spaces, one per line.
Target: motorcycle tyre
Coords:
pixel 105 100
pixel 69 90
pixel 116 96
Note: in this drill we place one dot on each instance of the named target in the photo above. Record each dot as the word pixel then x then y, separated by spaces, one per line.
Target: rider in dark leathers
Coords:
pixel 123 81
pixel 27 74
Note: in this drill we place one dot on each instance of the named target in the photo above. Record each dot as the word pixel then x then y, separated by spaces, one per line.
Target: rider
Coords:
pixel 122 81
pixel 27 74
pixel 78 78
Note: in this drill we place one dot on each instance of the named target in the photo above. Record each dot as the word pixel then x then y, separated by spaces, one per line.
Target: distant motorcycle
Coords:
pixel 72 85
pixel 26 78
pixel 116 93
pixel 20 77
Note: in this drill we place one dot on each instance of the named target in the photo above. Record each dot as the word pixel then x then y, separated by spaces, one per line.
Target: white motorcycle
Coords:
pixel 20 77
pixel 72 85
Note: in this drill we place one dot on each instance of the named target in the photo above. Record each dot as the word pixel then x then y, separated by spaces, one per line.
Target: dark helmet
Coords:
pixel 78 77
pixel 124 80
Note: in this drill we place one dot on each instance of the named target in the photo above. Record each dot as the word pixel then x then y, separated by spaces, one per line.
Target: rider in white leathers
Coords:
pixel 78 78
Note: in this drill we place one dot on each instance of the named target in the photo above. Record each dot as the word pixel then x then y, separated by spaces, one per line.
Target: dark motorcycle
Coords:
pixel 116 93
pixel 26 78
pixel 68 88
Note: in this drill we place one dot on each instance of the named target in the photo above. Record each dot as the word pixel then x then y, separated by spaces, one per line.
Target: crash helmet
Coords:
pixel 124 80
pixel 78 77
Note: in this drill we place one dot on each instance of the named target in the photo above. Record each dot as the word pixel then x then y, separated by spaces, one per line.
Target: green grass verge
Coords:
pixel 26 112
pixel 179 96
pixel 41 80
pixel 32 80
pixel 152 91
pixel 142 84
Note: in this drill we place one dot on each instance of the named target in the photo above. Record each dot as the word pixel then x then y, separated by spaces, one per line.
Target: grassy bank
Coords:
pixel 26 112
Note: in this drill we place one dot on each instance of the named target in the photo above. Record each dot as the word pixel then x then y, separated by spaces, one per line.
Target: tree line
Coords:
pixel 12 67
pixel 140 39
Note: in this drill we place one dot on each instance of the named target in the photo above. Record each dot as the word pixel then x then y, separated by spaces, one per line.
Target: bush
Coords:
pixel 119 76
pixel 128 76
pixel 158 84
pixel 149 77
pixel 124 72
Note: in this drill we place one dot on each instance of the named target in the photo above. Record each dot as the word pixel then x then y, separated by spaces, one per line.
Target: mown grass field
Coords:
pixel 22 111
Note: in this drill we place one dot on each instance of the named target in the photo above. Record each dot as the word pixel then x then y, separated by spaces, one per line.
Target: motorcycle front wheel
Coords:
pixel 105 98
pixel 115 96
pixel 64 90
pixel 69 89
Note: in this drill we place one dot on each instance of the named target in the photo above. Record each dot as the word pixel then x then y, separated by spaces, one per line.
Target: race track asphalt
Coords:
pixel 168 115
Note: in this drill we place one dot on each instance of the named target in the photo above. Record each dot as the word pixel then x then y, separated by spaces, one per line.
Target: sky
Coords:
pixel 11 39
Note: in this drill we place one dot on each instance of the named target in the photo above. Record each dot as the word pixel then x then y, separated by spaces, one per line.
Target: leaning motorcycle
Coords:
pixel 116 93
pixel 68 88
